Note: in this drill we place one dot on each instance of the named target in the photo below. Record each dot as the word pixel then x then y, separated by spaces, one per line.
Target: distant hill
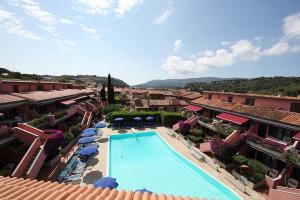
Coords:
pixel 77 79
pixel 288 86
pixel 177 83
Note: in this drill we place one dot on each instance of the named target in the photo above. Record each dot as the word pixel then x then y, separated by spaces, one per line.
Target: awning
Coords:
pixel 297 136
pixel 232 118
pixel 68 102
pixel 193 108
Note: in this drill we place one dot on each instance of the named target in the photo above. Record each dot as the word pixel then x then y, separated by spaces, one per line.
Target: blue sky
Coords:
pixel 140 40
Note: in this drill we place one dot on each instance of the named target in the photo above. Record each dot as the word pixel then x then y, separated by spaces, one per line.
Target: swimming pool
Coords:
pixel 144 160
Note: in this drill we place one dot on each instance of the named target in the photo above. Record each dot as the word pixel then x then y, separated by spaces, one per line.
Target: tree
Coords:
pixel 110 90
pixel 102 93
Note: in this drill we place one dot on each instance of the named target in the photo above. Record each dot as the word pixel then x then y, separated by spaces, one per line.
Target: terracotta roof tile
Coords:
pixel 192 96
pixel 7 98
pixel 26 189
pixel 255 95
pixel 53 94
pixel 268 113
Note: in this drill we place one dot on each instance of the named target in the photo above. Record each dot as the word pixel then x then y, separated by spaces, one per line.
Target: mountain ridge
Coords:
pixel 175 83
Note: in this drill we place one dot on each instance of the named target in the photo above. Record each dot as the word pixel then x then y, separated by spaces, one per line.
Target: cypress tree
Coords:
pixel 110 90
pixel 102 93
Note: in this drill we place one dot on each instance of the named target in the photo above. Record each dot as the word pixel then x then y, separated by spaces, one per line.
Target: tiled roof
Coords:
pixel 160 92
pixel 53 94
pixel 27 189
pixel 192 96
pixel 166 102
pixel 267 113
pixel 33 81
pixel 6 98
pixel 255 95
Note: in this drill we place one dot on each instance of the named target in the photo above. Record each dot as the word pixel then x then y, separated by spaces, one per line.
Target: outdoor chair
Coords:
pixel 293 183
pixel 273 173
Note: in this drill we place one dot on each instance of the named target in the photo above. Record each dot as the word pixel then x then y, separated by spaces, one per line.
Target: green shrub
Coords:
pixel 4 172
pixel 68 137
pixel 60 114
pixel 256 166
pixel 111 108
pixel 223 129
pixel 195 139
pixel 38 121
pixel 198 132
pixel 240 159
pixel 170 118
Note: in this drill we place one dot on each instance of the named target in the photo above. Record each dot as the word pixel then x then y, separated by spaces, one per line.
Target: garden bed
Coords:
pixel 246 181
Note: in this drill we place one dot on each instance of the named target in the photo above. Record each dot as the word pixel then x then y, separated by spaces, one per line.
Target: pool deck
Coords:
pixel 96 167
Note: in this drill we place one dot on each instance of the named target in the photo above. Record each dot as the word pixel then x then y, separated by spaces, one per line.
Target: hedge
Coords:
pixel 60 114
pixel 112 108
pixel 166 118
pixel 38 121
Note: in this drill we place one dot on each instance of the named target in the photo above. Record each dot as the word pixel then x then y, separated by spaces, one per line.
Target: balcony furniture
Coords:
pixel 293 183
pixel 273 173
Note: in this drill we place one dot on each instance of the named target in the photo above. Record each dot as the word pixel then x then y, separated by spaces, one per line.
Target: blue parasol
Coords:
pixel 119 119
pixel 106 182
pixel 88 134
pixel 143 190
pixel 89 129
pixel 100 125
pixel 87 151
pixel 86 140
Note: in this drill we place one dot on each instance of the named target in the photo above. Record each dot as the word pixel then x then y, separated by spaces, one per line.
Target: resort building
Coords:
pixel 170 104
pixel 30 113
pixel 17 86
pixel 270 126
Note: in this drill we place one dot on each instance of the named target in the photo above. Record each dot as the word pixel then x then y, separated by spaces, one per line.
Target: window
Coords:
pixel 15 88
pixel 209 96
pixel 295 107
pixel 279 133
pixel 229 99
pixel 250 101
pixel 40 87
pixel 53 87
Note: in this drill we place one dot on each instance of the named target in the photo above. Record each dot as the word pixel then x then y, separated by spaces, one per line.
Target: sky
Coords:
pixel 142 40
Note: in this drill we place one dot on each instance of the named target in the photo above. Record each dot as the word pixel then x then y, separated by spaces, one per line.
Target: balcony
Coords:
pixel 267 146
pixel 216 126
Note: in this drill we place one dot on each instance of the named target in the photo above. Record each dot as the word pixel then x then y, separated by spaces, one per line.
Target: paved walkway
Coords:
pixel 97 166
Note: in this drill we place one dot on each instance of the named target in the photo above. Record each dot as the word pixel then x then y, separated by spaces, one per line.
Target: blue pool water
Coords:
pixel 144 160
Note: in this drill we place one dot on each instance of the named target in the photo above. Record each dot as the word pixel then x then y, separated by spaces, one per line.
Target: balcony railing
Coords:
pixel 216 126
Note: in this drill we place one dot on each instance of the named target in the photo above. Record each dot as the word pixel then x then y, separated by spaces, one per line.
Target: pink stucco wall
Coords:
pixel 7 87
pixel 283 104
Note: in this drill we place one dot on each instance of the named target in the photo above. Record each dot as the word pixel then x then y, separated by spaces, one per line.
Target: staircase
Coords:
pixel 30 162
pixel 87 118
pixel 35 156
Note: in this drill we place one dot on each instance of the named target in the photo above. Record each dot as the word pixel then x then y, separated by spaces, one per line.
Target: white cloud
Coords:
pixel 165 15
pixel 245 50
pixel 177 45
pixel 279 48
pixel 221 58
pixel 175 65
pixel 291 26
pixel 11 24
pixel 93 7
pixel 65 21
pixel 126 5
